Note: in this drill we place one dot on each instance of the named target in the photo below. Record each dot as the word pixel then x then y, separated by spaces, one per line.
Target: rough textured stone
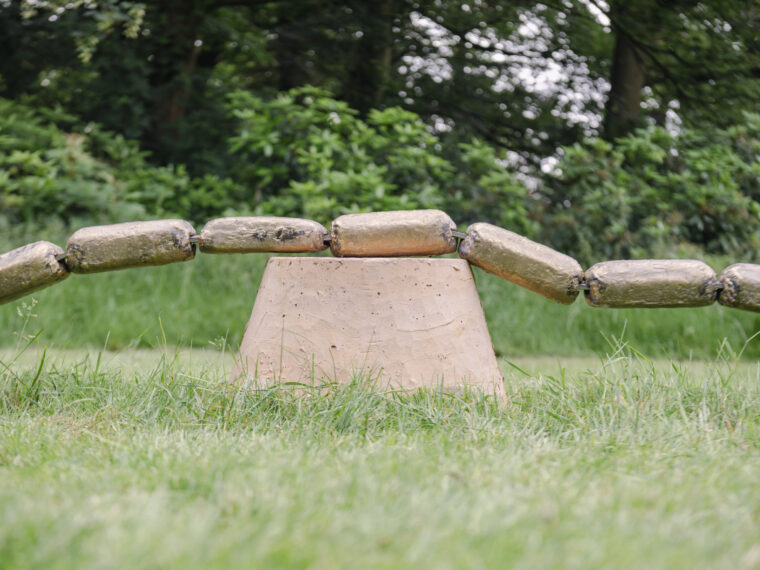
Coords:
pixel 393 234
pixel 741 287
pixel 262 234
pixel 651 283
pixel 132 244
pixel 517 259
pixel 28 269
pixel 413 322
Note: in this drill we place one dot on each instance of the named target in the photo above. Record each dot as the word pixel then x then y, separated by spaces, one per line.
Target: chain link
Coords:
pixel 508 255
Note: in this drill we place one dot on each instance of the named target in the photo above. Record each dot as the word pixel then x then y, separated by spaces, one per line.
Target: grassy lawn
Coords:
pixel 119 451
pixel 148 459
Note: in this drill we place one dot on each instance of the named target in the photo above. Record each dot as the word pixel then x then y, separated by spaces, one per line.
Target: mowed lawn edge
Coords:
pixel 624 462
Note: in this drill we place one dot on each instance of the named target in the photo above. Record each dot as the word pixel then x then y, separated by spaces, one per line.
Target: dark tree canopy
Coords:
pixel 600 126
pixel 526 76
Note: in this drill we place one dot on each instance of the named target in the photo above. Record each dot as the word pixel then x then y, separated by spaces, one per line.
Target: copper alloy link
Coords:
pixel 517 259
pixel 30 268
pixel 621 283
pixel 255 234
pixel 741 287
pixel 393 234
pixel 650 283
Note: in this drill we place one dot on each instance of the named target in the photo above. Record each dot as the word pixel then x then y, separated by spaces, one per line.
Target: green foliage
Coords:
pixel 653 188
pixel 169 191
pixel 45 172
pixel 485 190
pixel 93 176
pixel 306 153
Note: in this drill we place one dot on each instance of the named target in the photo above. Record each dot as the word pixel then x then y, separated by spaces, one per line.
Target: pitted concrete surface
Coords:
pixel 407 322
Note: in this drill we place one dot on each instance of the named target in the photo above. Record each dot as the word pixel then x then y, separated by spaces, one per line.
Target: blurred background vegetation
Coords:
pixel 605 129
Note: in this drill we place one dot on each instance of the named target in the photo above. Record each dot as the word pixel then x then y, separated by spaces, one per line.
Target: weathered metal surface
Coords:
pixel 651 283
pixel 30 268
pixel 262 234
pixel 393 234
pixel 517 259
pixel 406 323
pixel 132 244
pixel 741 287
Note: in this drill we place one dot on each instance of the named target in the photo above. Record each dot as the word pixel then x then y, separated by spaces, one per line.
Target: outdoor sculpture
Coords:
pixel 377 308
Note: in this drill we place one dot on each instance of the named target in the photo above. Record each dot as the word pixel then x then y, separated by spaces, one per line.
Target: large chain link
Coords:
pixel 621 283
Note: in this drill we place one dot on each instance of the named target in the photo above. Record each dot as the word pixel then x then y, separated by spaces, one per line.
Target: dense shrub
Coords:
pixel 307 153
pixel 47 173
pixel 654 188
pixel 93 176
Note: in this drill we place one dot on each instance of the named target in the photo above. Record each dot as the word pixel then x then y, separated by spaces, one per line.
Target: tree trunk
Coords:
pixel 371 70
pixel 384 61
pixel 623 108
pixel 291 45
pixel 182 22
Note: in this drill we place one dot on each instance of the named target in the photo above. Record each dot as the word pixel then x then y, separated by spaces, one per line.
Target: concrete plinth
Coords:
pixel 406 322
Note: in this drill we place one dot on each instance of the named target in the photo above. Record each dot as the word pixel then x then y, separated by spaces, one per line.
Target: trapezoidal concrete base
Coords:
pixel 404 322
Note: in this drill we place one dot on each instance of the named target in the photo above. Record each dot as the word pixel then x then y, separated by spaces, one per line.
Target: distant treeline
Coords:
pixel 605 130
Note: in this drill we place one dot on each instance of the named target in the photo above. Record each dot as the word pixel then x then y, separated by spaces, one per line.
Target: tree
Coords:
pixel 701 58
pixel 526 76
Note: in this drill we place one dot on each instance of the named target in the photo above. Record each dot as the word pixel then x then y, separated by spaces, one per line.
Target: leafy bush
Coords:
pixel 169 191
pixel 47 173
pixel 306 153
pixel 93 176
pixel 653 188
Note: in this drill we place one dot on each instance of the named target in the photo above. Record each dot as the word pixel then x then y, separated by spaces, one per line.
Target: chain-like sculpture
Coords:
pixel 623 283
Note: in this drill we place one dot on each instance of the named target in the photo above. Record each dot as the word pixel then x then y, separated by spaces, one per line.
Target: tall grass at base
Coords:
pixel 626 465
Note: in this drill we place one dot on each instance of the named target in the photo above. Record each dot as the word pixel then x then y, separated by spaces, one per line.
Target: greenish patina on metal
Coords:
pixel 646 283
pixel 515 258
pixel 30 268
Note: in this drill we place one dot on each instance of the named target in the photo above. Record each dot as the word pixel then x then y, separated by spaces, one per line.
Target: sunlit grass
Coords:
pixel 146 462
pixel 628 439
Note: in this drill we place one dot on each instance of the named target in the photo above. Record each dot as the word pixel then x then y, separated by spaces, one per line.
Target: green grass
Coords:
pixel 156 462
pixel 117 456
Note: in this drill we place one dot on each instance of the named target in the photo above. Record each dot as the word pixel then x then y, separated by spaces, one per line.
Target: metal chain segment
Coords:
pixel 740 287
pixel 393 234
pixel 131 244
pixel 30 268
pixel 515 258
pixel 651 283
pixel 262 234
pixel 623 283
